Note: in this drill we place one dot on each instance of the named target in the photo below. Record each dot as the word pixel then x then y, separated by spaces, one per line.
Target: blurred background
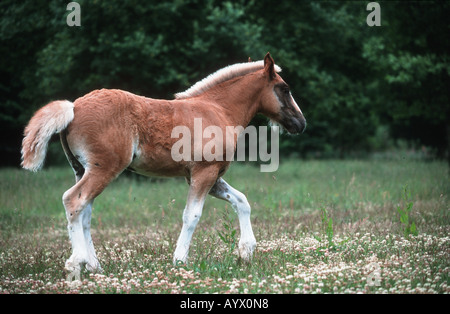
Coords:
pixel 365 91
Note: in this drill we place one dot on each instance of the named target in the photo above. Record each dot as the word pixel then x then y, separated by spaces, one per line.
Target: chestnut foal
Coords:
pixel 107 131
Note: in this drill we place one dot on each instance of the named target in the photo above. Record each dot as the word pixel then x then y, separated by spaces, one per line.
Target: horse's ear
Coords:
pixel 269 66
pixel 249 59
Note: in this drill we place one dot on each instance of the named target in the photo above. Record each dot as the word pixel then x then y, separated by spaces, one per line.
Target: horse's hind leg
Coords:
pixel 93 264
pixel 224 191
pixel 78 202
pixel 92 174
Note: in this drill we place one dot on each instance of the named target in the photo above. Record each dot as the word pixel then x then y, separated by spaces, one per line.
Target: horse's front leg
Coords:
pixel 224 191
pixel 200 183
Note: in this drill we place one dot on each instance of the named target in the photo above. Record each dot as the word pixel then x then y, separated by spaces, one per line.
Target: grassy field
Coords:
pixel 321 227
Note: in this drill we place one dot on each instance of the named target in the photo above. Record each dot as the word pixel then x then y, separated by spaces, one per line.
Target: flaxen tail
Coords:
pixel 50 119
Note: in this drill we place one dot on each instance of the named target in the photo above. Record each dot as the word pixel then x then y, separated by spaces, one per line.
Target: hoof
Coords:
pixel 180 258
pixel 246 251
pixel 73 267
pixel 94 268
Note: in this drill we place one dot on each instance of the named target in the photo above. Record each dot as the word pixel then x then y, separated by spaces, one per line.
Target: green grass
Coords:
pixel 319 226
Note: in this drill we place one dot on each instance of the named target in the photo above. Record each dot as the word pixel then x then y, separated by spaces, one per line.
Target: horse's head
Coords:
pixel 277 102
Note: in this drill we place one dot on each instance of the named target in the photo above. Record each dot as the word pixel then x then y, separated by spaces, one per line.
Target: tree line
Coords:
pixel 360 87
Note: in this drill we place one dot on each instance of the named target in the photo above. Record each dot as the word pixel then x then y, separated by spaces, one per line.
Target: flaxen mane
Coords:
pixel 222 75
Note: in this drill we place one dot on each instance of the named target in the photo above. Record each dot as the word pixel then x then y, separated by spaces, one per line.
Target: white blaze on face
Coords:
pixel 295 104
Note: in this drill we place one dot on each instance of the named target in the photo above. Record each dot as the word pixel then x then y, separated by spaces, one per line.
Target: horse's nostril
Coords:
pixel 298 125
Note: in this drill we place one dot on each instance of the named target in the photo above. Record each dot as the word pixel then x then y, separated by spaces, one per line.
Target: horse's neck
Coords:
pixel 238 97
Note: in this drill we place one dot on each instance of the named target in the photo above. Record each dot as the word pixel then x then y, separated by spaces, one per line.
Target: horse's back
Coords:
pixel 107 102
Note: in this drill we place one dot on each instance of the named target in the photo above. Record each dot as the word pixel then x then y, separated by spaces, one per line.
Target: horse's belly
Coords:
pixel 158 165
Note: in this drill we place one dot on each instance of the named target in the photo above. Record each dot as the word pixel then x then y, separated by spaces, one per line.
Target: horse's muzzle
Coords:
pixel 297 125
